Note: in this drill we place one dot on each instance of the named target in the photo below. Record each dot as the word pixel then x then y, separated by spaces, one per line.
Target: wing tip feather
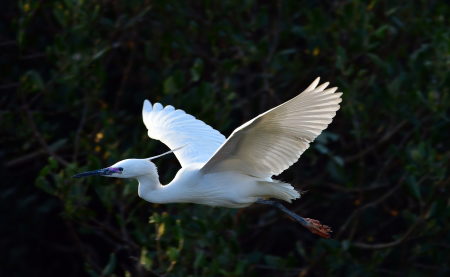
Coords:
pixel 313 85
pixel 321 87
pixel 147 105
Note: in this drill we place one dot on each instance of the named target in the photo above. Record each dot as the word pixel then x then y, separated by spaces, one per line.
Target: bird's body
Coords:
pixel 218 189
pixel 236 172
pixel 224 189
pixel 215 189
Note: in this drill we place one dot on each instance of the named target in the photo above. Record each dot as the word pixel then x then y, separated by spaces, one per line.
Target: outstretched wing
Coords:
pixel 271 142
pixel 175 128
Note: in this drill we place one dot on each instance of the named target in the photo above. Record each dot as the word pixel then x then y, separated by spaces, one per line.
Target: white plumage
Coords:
pixel 175 128
pixel 236 172
pixel 271 142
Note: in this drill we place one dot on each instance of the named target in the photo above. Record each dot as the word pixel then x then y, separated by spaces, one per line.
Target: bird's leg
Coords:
pixel 313 225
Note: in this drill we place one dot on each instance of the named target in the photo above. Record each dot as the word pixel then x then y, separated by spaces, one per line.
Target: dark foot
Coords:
pixel 317 228
pixel 313 225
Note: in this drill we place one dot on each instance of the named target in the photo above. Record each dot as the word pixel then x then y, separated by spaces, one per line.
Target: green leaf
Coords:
pixel 95 162
pixel 287 51
pixel 380 31
pixel 58 144
pixel 432 210
pixel 179 231
pixel 44 171
pixel 341 58
pixel 69 3
pixel 173 254
pixel 198 258
pixel 321 148
pixel 89 270
pixel 345 244
pixel 155 218
pixel 53 163
pixel 301 249
pixel 414 188
pixel 376 60
pixel 169 86
pixel 130 188
pixel 43 184
pixel 338 160
pixel 100 53
pixel 145 261
pixel 138 16
pixel 336 172
pixel 274 261
pixel 33 81
pixel 197 70
pixel 240 268
pixel 110 267
pixel 59 13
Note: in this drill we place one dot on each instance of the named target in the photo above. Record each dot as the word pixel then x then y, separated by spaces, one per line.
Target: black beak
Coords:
pixel 100 172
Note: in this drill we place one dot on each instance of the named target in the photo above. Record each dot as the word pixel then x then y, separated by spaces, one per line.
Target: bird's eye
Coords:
pixel 120 169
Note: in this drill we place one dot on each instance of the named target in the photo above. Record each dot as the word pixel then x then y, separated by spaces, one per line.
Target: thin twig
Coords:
pixel 352 190
pixel 25 158
pixel 9 42
pixel 124 231
pixel 11 85
pixel 371 204
pixel 386 195
pixel 312 266
pixel 38 136
pixel 33 56
pixel 265 74
pixel 80 128
pixel 420 220
pixel 389 244
pixel 385 138
pixel 125 78
pixel 274 46
pixel 80 247
pixel 107 228
pixel 382 171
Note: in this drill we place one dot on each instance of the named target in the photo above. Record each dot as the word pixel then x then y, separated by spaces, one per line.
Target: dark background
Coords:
pixel 74 75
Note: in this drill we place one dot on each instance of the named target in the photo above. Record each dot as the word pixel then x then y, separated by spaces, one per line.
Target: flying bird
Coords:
pixel 235 172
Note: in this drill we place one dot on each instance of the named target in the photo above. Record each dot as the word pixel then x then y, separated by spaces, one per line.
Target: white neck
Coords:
pixel 150 188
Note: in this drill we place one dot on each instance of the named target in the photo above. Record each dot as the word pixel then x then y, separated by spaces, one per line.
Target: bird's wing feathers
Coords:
pixel 175 128
pixel 270 143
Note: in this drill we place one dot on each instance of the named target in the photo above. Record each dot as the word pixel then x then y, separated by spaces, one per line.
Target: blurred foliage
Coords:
pixel 74 77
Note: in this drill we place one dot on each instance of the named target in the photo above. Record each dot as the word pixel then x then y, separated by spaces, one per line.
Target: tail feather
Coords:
pixel 280 190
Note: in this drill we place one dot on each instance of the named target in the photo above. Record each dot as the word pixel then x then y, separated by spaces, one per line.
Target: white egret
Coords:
pixel 234 172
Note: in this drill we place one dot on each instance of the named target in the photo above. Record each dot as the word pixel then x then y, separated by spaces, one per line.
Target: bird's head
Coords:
pixel 129 168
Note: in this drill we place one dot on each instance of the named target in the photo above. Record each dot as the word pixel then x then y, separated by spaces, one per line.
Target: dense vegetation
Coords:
pixel 74 75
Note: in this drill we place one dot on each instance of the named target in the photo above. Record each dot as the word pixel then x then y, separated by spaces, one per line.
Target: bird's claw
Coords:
pixel 318 228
